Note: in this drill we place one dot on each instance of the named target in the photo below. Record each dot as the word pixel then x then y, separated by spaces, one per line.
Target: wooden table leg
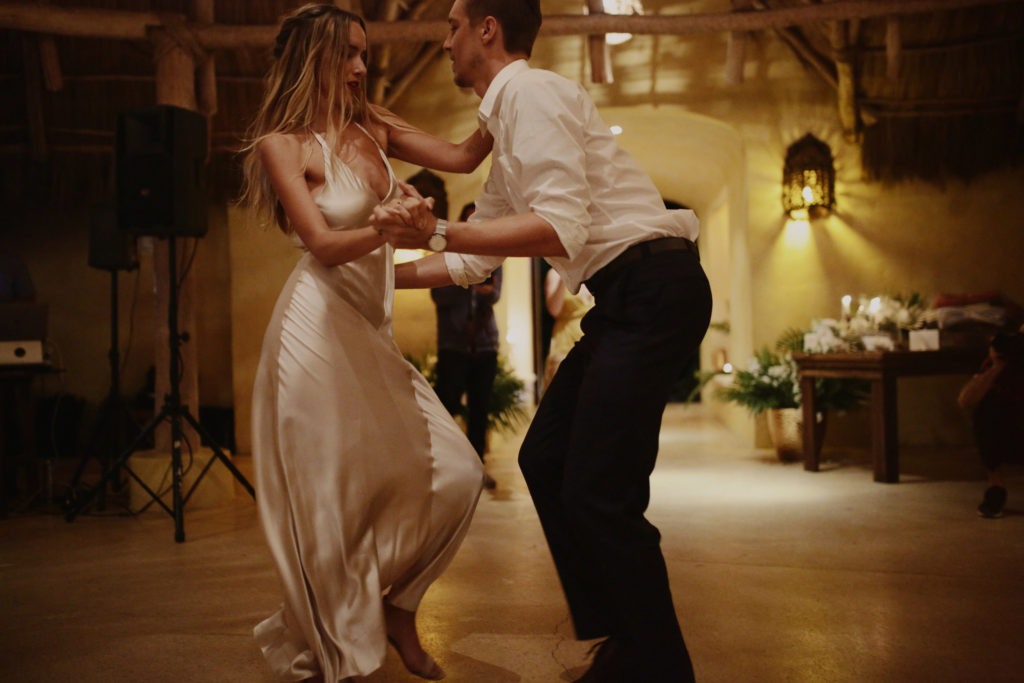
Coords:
pixel 885 430
pixel 810 433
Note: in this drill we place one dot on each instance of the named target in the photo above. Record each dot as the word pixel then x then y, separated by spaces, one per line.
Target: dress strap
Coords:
pixel 384 157
pixel 328 170
pixel 376 144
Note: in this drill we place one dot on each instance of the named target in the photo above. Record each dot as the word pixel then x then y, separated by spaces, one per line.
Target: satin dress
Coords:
pixel 365 485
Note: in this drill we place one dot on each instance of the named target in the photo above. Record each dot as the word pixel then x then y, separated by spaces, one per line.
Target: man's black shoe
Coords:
pixel 993 502
pixel 602 667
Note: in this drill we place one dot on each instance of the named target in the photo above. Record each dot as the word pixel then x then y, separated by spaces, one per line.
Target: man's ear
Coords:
pixel 488 30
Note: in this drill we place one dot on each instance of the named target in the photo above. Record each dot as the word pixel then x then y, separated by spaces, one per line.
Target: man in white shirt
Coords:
pixel 561 188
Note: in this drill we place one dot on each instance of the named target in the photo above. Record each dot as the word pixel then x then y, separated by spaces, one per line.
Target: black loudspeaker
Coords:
pixel 161 172
pixel 110 248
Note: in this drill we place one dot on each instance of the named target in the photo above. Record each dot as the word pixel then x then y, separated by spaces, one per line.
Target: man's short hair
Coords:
pixel 519 19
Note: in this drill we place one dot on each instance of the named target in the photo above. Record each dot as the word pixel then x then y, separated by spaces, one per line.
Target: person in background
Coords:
pixel 467 351
pixel 568 310
pixel 995 395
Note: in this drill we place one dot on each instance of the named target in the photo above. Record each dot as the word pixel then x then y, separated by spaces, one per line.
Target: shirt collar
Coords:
pixel 498 83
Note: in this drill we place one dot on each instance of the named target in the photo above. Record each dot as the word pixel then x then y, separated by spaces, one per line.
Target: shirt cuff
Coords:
pixel 571 234
pixel 456 268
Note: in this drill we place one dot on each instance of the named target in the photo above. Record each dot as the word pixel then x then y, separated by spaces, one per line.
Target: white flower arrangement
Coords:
pixel 828 335
pixel 771 379
pixel 892 313
pixel 885 315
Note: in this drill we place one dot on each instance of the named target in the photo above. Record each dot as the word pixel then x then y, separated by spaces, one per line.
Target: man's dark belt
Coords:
pixel 634 254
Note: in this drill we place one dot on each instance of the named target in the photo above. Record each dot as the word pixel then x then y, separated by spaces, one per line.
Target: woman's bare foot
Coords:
pixel 401 631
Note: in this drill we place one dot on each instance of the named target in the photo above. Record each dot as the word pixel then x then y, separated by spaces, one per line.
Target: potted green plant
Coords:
pixel 506 409
pixel 770 384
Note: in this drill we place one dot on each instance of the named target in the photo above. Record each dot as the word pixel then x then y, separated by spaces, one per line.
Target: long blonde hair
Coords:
pixel 313 41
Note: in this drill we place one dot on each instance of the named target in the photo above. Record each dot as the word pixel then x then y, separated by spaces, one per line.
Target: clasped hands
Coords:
pixel 407 222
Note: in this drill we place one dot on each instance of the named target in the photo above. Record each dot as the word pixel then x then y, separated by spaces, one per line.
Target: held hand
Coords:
pixel 409 190
pixel 407 223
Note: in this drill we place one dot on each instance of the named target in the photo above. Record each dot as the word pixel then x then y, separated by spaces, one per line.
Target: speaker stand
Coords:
pixel 176 413
pixel 114 422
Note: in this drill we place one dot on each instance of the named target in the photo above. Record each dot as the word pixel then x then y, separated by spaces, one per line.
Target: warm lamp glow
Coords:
pixel 797 234
pixel 808 179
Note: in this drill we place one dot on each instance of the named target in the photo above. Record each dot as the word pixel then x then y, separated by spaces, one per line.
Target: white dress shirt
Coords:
pixel 554 156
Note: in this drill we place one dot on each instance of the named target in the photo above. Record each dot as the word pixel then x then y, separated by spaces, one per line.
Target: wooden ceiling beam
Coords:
pixel 49 61
pixel 420 9
pixel 846 85
pixel 77 21
pixel 804 49
pixel 99 23
pixel 893 48
pixel 203 11
pixel 382 60
pixel 736 48
pixel 427 56
pixel 597 46
pixel 965 44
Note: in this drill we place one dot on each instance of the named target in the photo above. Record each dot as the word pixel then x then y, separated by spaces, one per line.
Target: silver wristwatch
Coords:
pixel 438 241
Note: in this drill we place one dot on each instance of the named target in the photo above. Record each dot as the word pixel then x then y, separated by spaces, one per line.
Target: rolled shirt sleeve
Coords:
pixel 468 269
pixel 547 158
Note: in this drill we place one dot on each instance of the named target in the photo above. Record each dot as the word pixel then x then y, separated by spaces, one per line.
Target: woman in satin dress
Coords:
pixel 365 485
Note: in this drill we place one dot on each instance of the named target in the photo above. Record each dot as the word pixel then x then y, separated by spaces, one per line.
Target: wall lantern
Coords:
pixel 808 179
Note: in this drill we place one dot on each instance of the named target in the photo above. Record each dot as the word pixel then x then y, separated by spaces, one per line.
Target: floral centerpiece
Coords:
pixel 880 316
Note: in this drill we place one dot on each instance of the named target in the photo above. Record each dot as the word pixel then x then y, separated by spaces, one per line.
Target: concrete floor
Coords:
pixel 778 574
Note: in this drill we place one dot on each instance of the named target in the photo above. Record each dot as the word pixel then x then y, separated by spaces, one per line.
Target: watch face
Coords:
pixel 437 242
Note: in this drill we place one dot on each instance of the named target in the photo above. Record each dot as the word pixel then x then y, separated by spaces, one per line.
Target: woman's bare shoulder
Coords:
pixel 378 125
pixel 281 144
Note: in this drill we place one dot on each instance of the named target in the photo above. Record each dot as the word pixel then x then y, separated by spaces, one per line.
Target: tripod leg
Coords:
pixel 177 474
pixel 107 421
pixel 220 456
pixel 109 435
pixel 113 468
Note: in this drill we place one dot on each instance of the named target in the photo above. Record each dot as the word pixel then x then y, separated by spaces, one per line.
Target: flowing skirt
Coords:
pixel 365 485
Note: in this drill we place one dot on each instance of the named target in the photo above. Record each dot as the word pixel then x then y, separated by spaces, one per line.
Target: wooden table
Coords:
pixel 882 369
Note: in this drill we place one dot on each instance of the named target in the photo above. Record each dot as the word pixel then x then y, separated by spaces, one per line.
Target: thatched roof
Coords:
pixel 932 88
